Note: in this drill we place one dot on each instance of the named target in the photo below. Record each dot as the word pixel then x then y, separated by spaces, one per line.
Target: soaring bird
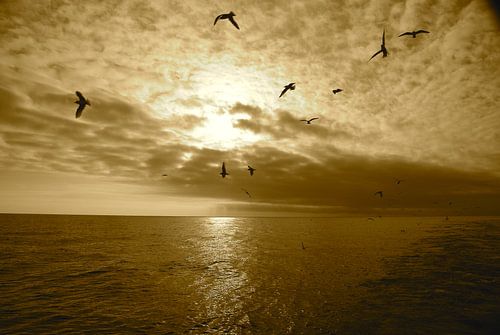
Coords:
pixel 251 170
pixel 223 172
pixel 246 192
pixel 380 193
pixel 337 90
pixel 382 48
pixel 82 102
pixel 414 33
pixel 309 121
pixel 290 86
pixel 230 16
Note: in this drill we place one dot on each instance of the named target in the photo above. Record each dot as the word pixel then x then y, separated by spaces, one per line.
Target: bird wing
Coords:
pixel 383 38
pixel 375 54
pixel 422 31
pixel 223 168
pixel 234 22
pixel 407 33
pixel 79 95
pixel 79 110
pixel 304 120
pixel 284 91
pixel 314 118
pixel 217 19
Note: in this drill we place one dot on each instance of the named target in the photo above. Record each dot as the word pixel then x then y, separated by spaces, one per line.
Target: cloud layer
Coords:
pixel 172 93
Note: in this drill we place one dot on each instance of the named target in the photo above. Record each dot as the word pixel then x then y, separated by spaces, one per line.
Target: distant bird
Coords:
pixel 414 33
pixel 290 86
pixel 303 248
pixel 82 102
pixel 223 172
pixel 309 121
pixel 251 170
pixel 164 175
pixel 229 16
pixel 337 90
pixel 246 192
pixel 380 193
pixel 371 219
pixel 398 181
pixel 382 50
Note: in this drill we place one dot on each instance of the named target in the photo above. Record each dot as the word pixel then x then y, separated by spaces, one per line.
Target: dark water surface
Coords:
pixel 173 275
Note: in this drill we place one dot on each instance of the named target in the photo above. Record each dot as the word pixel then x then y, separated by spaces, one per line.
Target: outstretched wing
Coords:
pixel 284 91
pixel 234 22
pixel 375 54
pixel 223 168
pixel 79 95
pixel 407 33
pixel 304 120
pixel 422 31
pixel 314 118
pixel 383 38
pixel 217 19
pixel 79 110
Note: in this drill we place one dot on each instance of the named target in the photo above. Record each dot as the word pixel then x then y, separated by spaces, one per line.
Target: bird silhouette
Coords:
pixel 290 86
pixel 382 50
pixel 223 171
pixel 303 247
pixel 337 90
pixel 414 33
pixel 398 181
pixel 229 16
pixel 309 121
pixel 164 175
pixel 249 195
pixel 380 193
pixel 82 102
pixel 251 170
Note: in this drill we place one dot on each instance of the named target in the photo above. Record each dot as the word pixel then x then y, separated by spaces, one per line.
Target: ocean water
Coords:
pixel 207 275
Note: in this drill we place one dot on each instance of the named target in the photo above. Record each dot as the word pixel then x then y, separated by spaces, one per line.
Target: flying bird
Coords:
pixel 223 172
pixel 337 90
pixel 414 33
pixel 229 16
pixel 371 219
pixel 382 48
pixel 82 102
pixel 380 193
pixel 309 121
pixel 303 247
pixel 290 86
pixel 251 170
pixel 164 175
pixel 398 181
pixel 246 192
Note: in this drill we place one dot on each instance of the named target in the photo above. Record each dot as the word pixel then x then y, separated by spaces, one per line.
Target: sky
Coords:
pixel 172 93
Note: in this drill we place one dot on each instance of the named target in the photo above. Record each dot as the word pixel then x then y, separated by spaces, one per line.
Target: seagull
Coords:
pixel 337 90
pixel 381 193
pixel 223 172
pixel 290 86
pixel 251 170
pixel 382 48
pixel 229 16
pixel 309 121
pixel 246 192
pixel 82 102
pixel 414 33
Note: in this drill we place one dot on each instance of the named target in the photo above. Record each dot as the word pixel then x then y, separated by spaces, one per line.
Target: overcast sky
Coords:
pixel 173 94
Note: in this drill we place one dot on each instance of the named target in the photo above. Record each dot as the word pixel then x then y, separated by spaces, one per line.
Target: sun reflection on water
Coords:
pixel 224 281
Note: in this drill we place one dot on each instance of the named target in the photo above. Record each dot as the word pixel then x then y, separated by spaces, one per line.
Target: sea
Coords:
pixel 63 274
